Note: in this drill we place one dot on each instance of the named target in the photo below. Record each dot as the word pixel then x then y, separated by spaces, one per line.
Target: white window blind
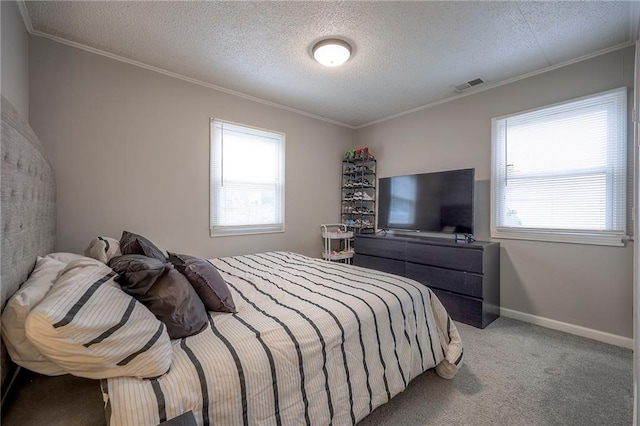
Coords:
pixel 247 180
pixel 559 173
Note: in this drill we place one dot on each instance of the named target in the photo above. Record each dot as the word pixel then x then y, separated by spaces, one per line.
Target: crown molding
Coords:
pixel 634 35
pixel 22 7
pixel 32 31
pixel 184 77
pixel 473 91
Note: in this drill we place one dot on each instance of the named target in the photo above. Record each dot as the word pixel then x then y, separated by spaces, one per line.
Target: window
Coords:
pixel 247 180
pixel 559 173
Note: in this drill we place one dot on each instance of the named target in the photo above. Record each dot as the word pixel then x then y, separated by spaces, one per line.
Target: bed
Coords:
pixel 312 342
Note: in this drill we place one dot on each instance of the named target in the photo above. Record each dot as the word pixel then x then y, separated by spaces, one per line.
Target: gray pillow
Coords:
pixel 163 290
pixel 206 280
pixel 131 243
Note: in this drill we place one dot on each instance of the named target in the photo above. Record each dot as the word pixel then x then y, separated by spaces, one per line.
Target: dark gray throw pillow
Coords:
pixel 138 273
pixel 206 280
pixel 131 243
pixel 164 291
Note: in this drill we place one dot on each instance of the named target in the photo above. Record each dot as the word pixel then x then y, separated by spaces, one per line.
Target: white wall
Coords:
pixel 589 286
pixel 130 150
pixel 15 58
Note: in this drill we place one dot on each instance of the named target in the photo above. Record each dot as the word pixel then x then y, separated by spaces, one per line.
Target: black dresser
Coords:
pixel 464 276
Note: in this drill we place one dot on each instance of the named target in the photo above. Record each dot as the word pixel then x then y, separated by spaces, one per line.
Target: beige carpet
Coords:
pixel 513 374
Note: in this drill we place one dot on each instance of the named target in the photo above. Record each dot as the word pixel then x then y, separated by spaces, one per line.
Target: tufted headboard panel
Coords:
pixel 27 209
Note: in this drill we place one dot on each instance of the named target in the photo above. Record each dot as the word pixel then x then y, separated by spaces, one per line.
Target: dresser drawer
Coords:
pixel 380 264
pixel 460 258
pixel 465 283
pixel 391 249
pixel 462 308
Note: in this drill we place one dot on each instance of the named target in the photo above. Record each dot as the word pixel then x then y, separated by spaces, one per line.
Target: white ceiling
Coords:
pixel 406 54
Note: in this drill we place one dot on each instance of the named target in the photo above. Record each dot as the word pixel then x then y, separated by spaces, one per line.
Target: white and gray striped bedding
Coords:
pixel 312 343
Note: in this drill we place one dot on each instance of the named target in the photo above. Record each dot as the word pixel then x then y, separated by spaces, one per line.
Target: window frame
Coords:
pixel 576 236
pixel 248 229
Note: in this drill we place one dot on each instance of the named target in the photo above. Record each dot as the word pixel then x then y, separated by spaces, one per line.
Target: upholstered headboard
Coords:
pixel 27 209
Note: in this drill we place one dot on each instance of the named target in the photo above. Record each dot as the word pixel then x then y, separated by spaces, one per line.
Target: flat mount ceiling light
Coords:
pixel 332 52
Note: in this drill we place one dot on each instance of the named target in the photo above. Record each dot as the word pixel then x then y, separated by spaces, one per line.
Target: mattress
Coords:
pixel 312 342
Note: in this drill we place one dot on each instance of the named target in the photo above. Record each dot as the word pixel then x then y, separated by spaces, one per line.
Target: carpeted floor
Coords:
pixel 520 374
pixel 513 374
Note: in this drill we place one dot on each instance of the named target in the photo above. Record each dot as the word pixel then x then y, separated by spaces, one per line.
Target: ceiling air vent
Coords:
pixel 468 84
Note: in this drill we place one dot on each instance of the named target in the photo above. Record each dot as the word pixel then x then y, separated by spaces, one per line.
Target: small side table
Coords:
pixel 337 243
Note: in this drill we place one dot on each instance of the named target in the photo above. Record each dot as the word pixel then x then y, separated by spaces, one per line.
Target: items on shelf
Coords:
pixel 354 196
pixel 358 191
pixel 362 154
pixel 352 169
pixel 357 210
pixel 358 183
pixel 358 223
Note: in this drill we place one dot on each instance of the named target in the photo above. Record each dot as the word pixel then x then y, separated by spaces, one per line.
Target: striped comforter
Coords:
pixel 312 342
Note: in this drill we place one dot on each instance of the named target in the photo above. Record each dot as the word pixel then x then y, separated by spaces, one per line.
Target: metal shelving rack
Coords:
pixel 358 195
pixel 337 232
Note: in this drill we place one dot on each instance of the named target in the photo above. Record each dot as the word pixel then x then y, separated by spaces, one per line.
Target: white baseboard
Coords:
pixel 601 336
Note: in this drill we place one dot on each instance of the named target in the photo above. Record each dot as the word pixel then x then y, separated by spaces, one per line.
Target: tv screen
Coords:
pixel 428 202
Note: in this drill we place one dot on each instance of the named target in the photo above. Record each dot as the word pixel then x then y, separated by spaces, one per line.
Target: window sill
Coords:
pixel 595 238
pixel 245 230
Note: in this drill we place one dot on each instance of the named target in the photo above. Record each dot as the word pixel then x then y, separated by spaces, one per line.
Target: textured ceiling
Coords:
pixel 406 54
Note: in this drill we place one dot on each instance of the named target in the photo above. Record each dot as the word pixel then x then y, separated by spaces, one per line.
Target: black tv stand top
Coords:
pixel 428 239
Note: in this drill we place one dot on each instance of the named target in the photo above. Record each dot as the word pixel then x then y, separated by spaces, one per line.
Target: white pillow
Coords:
pixel 103 249
pixel 91 328
pixel 64 257
pixel 30 293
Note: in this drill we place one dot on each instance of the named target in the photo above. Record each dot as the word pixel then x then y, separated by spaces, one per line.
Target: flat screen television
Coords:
pixel 429 202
